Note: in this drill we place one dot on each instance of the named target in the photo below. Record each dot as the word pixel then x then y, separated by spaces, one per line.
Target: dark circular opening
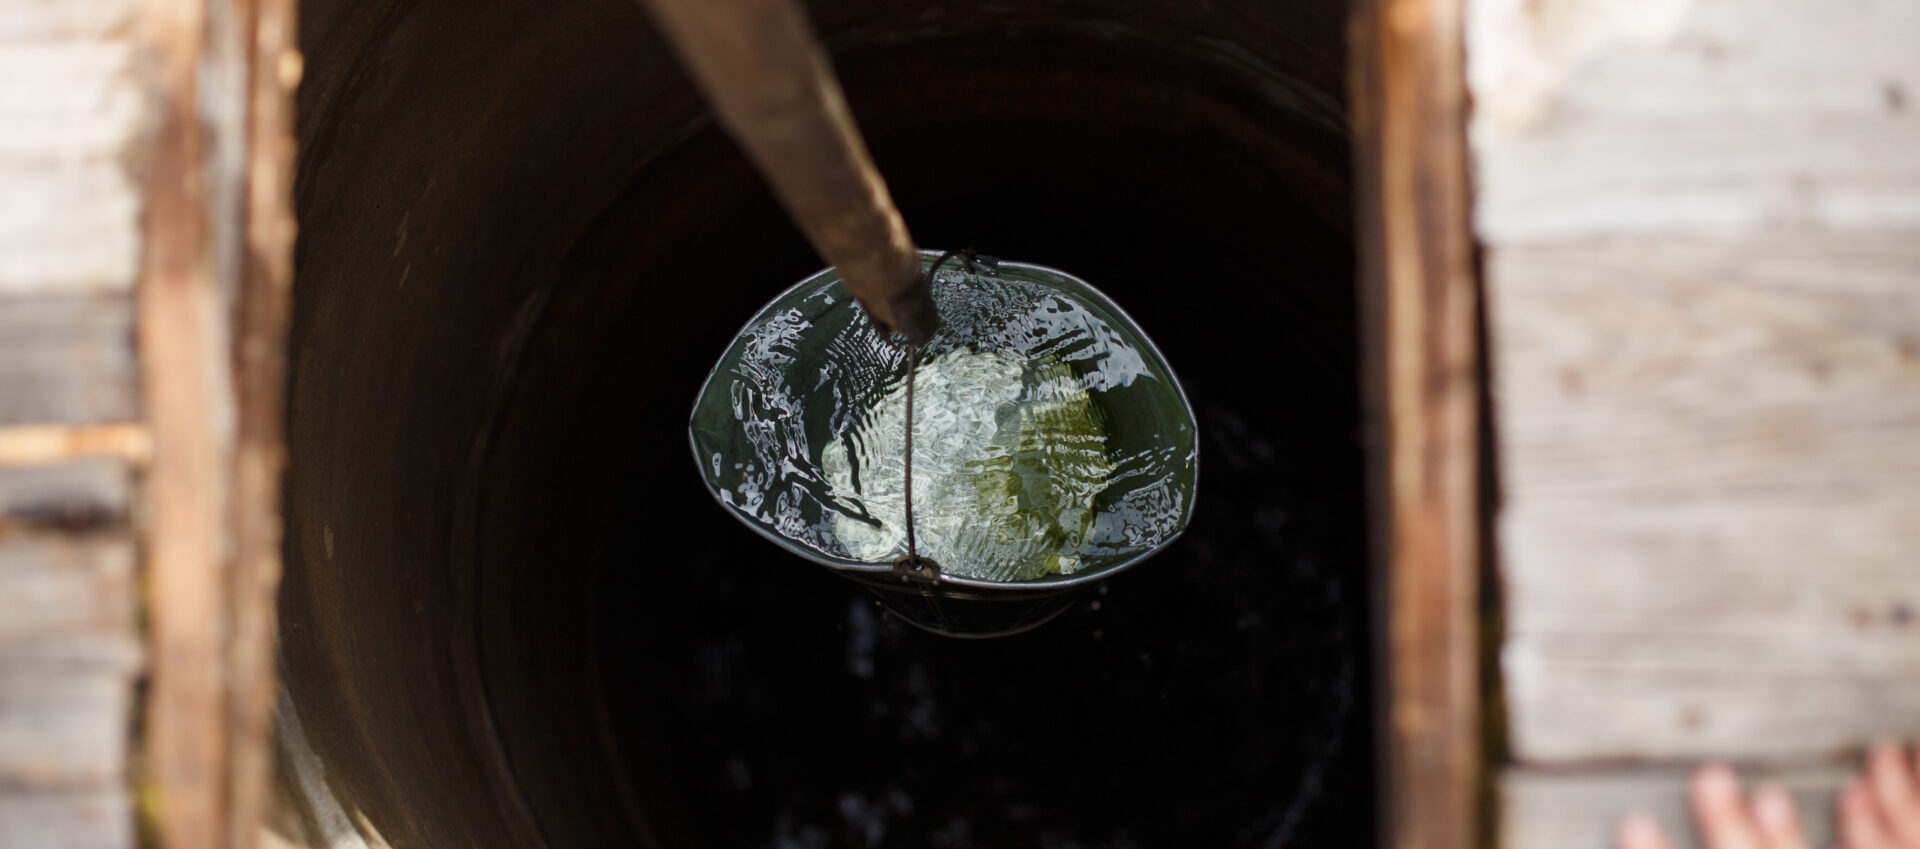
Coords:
pixel 513 617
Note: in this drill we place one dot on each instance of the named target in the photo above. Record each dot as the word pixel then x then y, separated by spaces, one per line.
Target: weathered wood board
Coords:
pixel 1419 309
pixel 69 651
pixel 65 710
pixel 1581 809
pixel 1660 117
pixel 1712 459
pixel 66 820
pixel 1711 455
pixel 1667 695
pixel 1654 372
pixel 59 586
pixel 67 360
pixel 75 115
pixel 30 21
pixel 82 492
pixel 1701 233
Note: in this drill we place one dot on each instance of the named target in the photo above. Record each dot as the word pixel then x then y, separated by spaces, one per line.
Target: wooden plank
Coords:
pixel 1658 694
pixel 190 268
pixel 69 220
pixel 93 819
pixel 68 652
pixel 53 586
pixel 1677 369
pixel 24 445
pixel 86 493
pixel 1421 355
pixel 68 102
pixel 1581 809
pixel 33 21
pixel 74 103
pixel 67 360
pixel 91 247
pixel 263 313
pixel 1673 116
pixel 1703 229
pixel 64 722
pixel 1841 569
pixel 1710 453
pixel 69 246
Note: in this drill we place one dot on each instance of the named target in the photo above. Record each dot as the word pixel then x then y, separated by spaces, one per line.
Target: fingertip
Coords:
pixel 1859 823
pixel 1895 797
pixel 1889 772
pixel 1722 817
pixel 1716 784
pixel 1854 798
pixel 1639 831
pixel 1774 808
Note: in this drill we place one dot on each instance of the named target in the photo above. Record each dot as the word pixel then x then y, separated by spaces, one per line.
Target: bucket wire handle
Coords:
pixel 913 564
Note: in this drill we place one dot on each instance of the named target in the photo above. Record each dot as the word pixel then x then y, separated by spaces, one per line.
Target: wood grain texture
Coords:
pixel 73 106
pixel 1636 372
pixel 64 724
pixel 1702 228
pixel 56 586
pixel 1580 809
pixel 39 21
pixel 1712 468
pixel 67 360
pixel 1419 300
pixel 68 101
pixel 75 111
pixel 29 445
pixel 1694 116
pixel 187 392
pixel 214 303
pixel 86 492
pixel 66 820
pixel 262 314
pixel 69 650
pixel 1664 694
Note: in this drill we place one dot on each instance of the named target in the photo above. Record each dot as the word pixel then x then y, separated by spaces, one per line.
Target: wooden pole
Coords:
pixel 1419 306
pixel 185 380
pixel 262 310
pixel 214 302
pixel 767 78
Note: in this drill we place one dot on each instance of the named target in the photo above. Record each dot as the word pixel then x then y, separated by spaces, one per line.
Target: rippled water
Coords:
pixel 1050 438
pixel 1007 470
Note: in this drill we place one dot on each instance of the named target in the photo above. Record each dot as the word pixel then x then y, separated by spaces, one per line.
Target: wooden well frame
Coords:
pixel 213 317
